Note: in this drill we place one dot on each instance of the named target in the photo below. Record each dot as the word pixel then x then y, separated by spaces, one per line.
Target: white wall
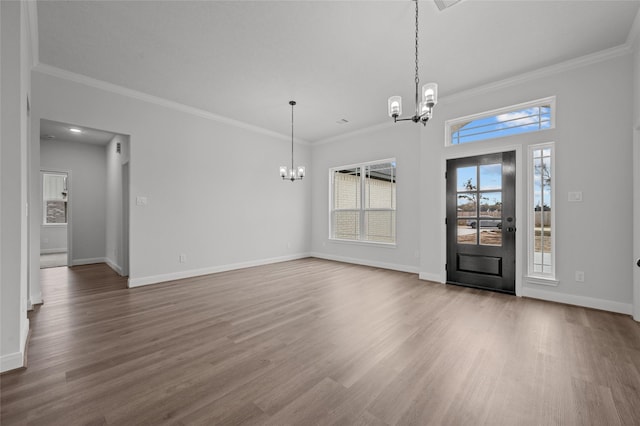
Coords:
pixel 213 189
pixel 53 238
pixel 86 165
pixel 14 85
pixel 114 239
pixel 593 155
pixel 634 39
pixel 399 141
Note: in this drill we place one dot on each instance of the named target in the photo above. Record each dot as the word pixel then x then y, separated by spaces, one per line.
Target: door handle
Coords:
pixel 638 263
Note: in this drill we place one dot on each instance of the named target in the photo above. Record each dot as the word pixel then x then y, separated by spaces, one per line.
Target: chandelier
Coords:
pixel 292 173
pixel 424 107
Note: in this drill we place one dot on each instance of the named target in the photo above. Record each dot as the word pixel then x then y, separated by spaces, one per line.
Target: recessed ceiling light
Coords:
pixel 74 130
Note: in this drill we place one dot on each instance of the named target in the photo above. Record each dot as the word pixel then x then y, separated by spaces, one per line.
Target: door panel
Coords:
pixel 481 222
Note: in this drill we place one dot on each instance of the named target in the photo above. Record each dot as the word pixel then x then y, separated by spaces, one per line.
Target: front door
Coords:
pixel 481 222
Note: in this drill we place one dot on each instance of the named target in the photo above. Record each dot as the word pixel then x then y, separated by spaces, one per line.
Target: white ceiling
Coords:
pixel 338 59
pixel 54 130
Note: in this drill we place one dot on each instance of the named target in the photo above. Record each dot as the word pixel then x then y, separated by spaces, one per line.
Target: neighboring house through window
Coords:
pixel 363 202
pixel 54 198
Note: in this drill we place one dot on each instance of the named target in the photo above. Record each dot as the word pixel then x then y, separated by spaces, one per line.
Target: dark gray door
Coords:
pixel 481 222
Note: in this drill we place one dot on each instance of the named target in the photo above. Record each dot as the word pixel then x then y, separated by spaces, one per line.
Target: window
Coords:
pixel 523 118
pixel 54 198
pixel 363 202
pixel 541 212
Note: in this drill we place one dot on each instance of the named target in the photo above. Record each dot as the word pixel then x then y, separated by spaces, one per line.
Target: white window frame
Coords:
pixel 44 202
pixel 362 209
pixel 532 276
pixel 551 101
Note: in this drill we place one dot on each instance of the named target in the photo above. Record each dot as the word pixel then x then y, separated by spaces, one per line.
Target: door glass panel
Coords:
pixel 466 231
pixel 467 178
pixel 490 177
pixel 491 205
pixel 467 205
pixel 490 218
pixel 490 235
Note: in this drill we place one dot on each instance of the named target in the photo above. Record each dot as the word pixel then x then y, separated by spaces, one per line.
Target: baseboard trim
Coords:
pixel 571 299
pixel 88 261
pixel 366 262
pixel 53 250
pixel 36 299
pixel 156 279
pixel 17 360
pixel 12 361
pixel 427 276
pixel 113 266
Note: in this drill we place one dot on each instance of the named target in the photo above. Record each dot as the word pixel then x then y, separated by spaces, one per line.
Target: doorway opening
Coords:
pixel 55 196
pixel 85 189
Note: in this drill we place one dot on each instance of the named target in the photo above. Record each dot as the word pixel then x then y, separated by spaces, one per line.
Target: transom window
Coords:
pixel 523 118
pixel 363 202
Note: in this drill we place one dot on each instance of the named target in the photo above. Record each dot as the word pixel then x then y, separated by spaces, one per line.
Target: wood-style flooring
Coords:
pixel 316 342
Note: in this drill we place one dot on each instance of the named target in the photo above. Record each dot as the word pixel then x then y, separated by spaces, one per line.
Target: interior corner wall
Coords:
pixel 15 85
pixel 399 141
pixel 87 194
pixel 593 155
pixel 212 189
pixel 635 43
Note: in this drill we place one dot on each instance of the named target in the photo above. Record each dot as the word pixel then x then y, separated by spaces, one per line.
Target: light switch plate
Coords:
pixel 575 197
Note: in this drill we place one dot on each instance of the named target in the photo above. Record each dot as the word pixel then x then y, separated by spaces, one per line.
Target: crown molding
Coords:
pixel 353 133
pixel 571 64
pixel 633 39
pixel 123 91
pixel 582 61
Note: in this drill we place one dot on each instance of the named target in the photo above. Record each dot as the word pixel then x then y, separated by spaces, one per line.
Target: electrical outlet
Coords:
pixel 183 258
pixel 580 276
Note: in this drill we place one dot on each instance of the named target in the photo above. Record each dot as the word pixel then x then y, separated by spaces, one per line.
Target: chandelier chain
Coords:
pixel 417 79
pixel 292 104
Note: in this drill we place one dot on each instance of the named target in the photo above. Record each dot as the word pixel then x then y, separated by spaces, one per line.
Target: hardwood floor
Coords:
pixel 316 342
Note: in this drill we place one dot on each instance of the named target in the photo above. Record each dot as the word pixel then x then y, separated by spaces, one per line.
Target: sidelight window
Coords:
pixel 541 213
pixel 363 202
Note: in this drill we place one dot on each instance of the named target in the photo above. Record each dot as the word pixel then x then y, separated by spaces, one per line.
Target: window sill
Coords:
pixel 55 225
pixel 552 282
pixel 363 243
